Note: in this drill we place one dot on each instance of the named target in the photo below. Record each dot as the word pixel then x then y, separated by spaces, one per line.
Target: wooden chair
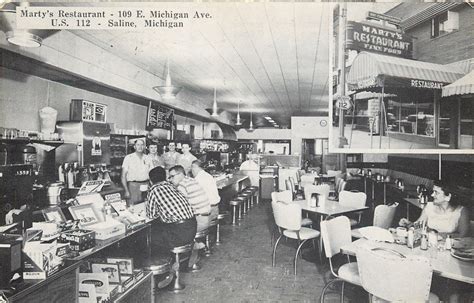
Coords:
pixel 288 219
pixel 337 233
pixel 389 276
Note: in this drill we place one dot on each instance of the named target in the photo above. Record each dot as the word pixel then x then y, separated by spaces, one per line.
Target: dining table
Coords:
pixel 328 209
pixel 442 261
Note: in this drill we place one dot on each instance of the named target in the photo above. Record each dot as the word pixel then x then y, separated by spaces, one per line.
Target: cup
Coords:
pixel 401 232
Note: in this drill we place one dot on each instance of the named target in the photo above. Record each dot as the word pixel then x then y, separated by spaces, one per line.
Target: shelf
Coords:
pixel 55 143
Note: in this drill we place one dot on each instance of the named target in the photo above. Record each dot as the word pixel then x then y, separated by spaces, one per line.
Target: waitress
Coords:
pixel 135 173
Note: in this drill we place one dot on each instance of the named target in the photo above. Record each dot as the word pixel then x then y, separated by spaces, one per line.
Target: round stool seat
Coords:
pixel 182 249
pixel 158 265
pixel 213 222
pixel 306 222
pixel 245 194
pixel 222 216
pixel 201 234
pixel 252 187
pixel 235 202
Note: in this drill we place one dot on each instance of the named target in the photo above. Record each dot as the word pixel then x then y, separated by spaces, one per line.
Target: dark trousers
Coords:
pixel 165 236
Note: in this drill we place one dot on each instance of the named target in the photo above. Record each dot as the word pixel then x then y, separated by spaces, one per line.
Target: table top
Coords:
pixel 330 208
pixel 442 262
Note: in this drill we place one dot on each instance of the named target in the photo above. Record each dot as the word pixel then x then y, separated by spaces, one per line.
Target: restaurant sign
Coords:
pixel 159 116
pixel 367 82
pixel 426 84
pixel 368 37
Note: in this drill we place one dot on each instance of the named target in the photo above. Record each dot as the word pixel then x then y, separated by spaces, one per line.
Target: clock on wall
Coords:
pixel 323 123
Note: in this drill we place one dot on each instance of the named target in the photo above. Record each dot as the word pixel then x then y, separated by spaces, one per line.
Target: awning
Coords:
pixel 371 70
pixel 463 86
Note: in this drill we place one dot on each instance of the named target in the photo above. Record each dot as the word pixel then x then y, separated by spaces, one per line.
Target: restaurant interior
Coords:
pixel 248 92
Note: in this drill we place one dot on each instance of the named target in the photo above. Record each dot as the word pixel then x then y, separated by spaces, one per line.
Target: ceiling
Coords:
pixel 273 57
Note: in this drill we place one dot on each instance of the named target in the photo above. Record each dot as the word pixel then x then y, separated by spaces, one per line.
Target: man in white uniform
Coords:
pixel 208 183
pixel 135 173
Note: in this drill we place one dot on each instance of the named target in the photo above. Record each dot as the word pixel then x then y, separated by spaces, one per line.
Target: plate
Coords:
pixel 463 254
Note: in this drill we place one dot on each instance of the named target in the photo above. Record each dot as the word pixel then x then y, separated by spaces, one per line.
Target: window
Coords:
pixel 467 117
pixel 438 25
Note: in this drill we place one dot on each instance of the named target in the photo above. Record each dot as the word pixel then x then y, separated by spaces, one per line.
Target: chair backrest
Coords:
pixel 283 196
pixel 292 182
pixel 335 233
pixel 383 215
pixel 288 185
pixel 307 179
pixel 392 277
pixel 287 216
pixel 352 199
pixel 322 190
pixel 342 186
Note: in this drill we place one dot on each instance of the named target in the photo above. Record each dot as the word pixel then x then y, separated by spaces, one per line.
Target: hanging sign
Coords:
pixel 383 17
pixel 159 116
pixel 372 38
pixel 83 110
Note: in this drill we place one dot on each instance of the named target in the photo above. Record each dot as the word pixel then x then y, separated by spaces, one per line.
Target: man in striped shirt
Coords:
pixel 165 202
pixel 195 194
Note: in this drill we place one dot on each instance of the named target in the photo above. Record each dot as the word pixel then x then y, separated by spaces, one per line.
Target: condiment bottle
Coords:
pixel 424 241
pixel 448 244
pixel 411 237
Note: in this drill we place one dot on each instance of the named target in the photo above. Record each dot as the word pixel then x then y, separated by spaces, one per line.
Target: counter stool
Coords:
pixel 178 285
pixel 220 217
pixel 247 196
pixel 235 205
pixel 161 268
pixel 251 198
pixel 203 234
pixel 255 192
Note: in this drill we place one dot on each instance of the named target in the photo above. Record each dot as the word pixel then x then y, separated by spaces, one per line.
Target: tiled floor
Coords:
pixel 240 269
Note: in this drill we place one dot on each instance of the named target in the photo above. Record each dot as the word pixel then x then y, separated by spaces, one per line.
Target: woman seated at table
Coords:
pixel 445 214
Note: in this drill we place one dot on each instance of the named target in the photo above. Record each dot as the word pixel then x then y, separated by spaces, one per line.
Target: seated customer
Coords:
pixel 194 193
pixel 208 183
pixel 445 214
pixel 165 202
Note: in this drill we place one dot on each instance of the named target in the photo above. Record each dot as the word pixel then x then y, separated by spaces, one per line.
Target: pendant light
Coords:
pixel 238 122
pixel 167 91
pixel 214 105
pixel 251 129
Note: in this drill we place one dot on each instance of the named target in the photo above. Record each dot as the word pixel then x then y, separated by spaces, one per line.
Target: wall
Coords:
pixel 264 134
pixel 307 128
pixel 455 46
pixel 22 96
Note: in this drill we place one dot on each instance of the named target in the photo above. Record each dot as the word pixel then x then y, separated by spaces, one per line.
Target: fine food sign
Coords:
pixel 159 116
pixel 368 37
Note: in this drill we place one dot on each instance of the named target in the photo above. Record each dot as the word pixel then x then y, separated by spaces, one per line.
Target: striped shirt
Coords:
pixel 196 196
pixel 167 203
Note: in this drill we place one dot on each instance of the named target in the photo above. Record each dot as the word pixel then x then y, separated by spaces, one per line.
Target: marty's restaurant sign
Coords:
pixel 367 37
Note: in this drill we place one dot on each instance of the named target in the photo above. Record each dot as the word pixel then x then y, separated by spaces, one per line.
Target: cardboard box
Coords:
pixel 78 239
pixel 40 260
pixel 108 229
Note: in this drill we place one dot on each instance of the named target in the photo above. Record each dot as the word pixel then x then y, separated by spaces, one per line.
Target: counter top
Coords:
pixel 236 178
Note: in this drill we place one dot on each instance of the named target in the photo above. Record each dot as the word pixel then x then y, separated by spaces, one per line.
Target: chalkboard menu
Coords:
pixel 159 116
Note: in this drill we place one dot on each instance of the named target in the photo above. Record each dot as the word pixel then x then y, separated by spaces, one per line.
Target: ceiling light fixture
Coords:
pixel 238 122
pixel 20 37
pixel 214 105
pixel 251 129
pixel 167 91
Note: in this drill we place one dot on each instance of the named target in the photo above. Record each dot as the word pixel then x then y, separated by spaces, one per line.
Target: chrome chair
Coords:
pixel 322 190
pixel 288 219
pixel 337 233
pixel 383 217
pixel 353 199
pixel 389 276
pixel 287 197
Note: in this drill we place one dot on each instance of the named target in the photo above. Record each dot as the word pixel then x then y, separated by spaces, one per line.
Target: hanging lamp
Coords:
pixel 168 91
pixel 251 129
pixel 214 105
pixel 238 122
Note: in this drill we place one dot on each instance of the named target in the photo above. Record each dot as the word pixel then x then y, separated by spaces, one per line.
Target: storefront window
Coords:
pixel 467 117
pixel 413 114
pixel 445 115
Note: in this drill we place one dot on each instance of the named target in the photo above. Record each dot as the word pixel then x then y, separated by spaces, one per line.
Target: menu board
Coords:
pixel 159 116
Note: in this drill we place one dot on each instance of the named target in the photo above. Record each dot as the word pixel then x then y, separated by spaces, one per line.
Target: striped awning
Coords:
pixel 374 70
pixel 463 86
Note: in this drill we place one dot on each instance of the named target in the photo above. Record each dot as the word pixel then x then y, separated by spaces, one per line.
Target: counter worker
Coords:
pixel 135 173
pixel 186 159
pixel 171 156
pixel 194 193
pixel 208 183
pixel 165 202
pixel 154 159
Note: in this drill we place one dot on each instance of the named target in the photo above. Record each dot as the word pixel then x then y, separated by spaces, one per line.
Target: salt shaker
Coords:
pixel 448 244
pixel 411 237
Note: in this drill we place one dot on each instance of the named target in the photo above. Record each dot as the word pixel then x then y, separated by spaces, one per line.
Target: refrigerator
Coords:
pixel 84 142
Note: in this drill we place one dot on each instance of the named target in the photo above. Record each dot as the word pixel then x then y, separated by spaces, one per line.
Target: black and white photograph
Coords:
pixel 402 78
pixel 256 151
